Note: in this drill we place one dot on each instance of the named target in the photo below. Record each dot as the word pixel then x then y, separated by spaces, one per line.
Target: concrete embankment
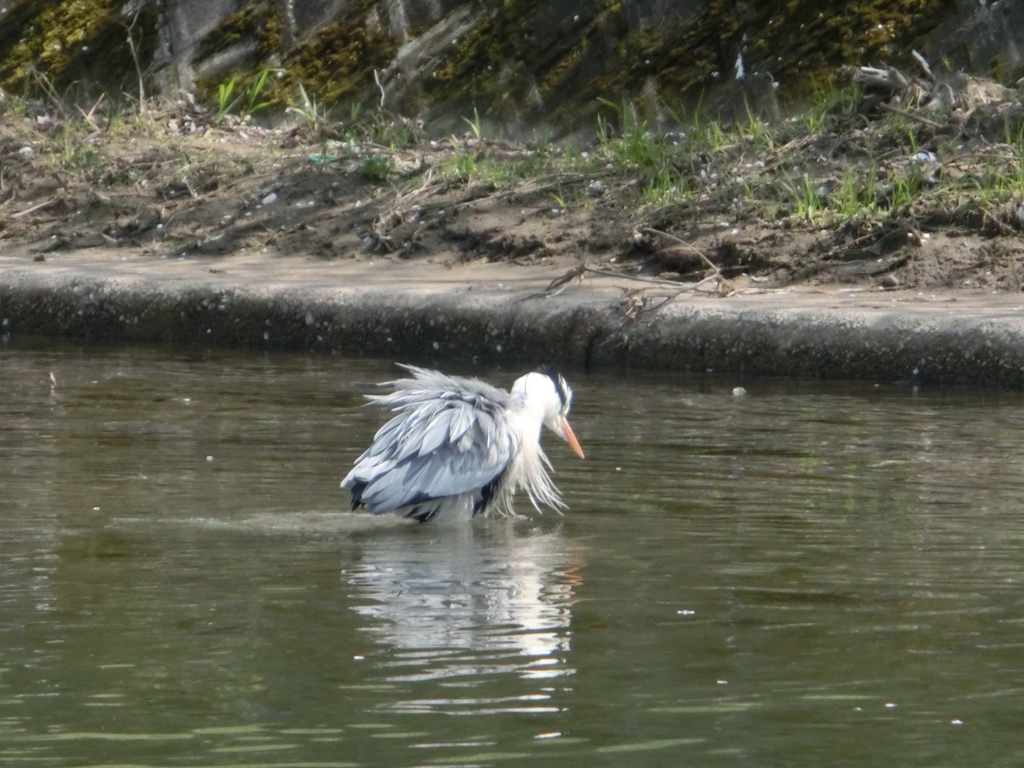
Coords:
pixel 406 310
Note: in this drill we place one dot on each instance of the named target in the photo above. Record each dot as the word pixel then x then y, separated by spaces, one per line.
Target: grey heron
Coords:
pixel 458 447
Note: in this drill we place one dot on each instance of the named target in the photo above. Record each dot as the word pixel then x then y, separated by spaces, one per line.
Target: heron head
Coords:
pixel 549 393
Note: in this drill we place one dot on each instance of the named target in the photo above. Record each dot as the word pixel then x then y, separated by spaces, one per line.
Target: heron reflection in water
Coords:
pixel 458 447
pixel 477 605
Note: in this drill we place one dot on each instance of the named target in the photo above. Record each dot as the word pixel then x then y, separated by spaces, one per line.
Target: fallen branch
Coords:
pixel 911 116
pixel 609 273
pixel 39 207
pixel 730 288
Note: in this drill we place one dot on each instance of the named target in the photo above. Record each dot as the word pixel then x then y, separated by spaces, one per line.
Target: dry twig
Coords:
pixel 34 208
pixel 716 272
pixel 911 116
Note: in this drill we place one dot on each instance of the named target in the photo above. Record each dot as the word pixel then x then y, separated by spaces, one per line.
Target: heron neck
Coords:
pixel 531 415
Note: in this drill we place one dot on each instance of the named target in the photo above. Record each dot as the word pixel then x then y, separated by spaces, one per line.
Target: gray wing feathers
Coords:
pixel 449 436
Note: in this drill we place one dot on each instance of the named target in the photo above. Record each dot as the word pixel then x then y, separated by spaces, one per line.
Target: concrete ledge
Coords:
pixel 500 313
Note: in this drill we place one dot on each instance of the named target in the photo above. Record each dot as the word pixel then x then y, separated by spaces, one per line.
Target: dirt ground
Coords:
pixel 758 215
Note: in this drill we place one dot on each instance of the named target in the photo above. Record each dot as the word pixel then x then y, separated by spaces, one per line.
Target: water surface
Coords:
pixel 813 574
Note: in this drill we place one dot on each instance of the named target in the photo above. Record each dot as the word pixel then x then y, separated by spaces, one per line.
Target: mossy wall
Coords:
pixel 257 23
pixel 74 45
pixel 514 60
pixel 338 64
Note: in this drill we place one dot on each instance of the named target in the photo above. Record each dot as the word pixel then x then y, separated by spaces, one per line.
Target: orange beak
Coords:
pixel 570 437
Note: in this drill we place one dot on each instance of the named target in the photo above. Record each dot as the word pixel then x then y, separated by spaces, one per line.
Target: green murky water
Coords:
pixel 813 574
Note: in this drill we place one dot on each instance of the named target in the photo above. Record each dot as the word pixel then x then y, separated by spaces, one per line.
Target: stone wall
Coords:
pixel 514 60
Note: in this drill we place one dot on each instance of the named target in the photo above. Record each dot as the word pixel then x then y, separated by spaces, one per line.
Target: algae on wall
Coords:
pixel 257 24
pixel 339 63
pixel 75 44
pixel 800 42
pixel 534 59
pixel 514 60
